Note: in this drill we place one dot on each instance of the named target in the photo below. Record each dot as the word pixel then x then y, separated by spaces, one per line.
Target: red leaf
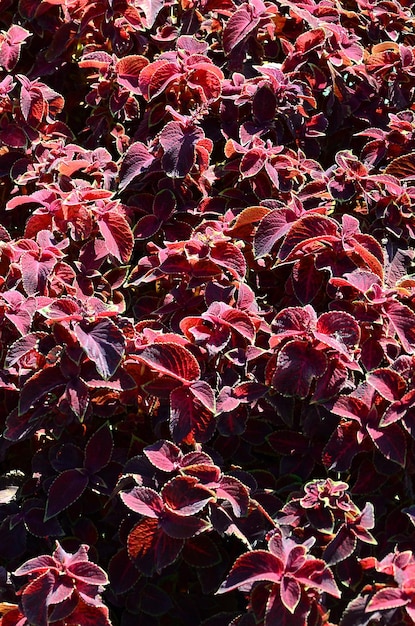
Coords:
pixel 390 441
pixel 227 255
pixel 308 228
pixel 128 70
pixel 341 547
pixel 252 162
pixel 310 40
pixel 123 575
pixel 98 450
pixel 88 615
pixel 184 495
pixel 306 279
pixel 234 492
pixel 103 344
pixel 150 548
pixel 190 421
pixel 171 359
pixel 204 393
pixel 35 271
pixel 388 383
pixel 65 490
pixel 258 565
pixel 338 330
pixel 182 527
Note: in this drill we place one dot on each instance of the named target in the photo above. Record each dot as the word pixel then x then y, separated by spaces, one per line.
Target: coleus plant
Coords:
pixel 207 312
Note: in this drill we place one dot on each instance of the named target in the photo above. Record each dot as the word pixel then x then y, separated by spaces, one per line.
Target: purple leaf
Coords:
pixel 179 148
pixel 65 490
pixel 38 386
pixel 98 450
pixel 137 160
pixel 103 344
pixel 239 26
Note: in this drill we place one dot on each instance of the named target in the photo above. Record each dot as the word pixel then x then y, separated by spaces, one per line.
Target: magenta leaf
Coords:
pixel 290 593
pixel 189 419
pixel 122 573
pixel 117 235
pixel 88 572
pixel 65 490
pixel 104 344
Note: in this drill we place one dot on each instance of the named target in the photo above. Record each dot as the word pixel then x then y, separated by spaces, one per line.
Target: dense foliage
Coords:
pixel 207 312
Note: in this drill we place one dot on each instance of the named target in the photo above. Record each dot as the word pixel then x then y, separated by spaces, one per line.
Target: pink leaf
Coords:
pixel 389 598
pixel 117 235
pixel 164 455
pixel 290 593
pixel 128 70
pixel 143 500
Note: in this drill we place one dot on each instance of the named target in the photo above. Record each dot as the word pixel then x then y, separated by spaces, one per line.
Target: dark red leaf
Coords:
pixel 298 364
